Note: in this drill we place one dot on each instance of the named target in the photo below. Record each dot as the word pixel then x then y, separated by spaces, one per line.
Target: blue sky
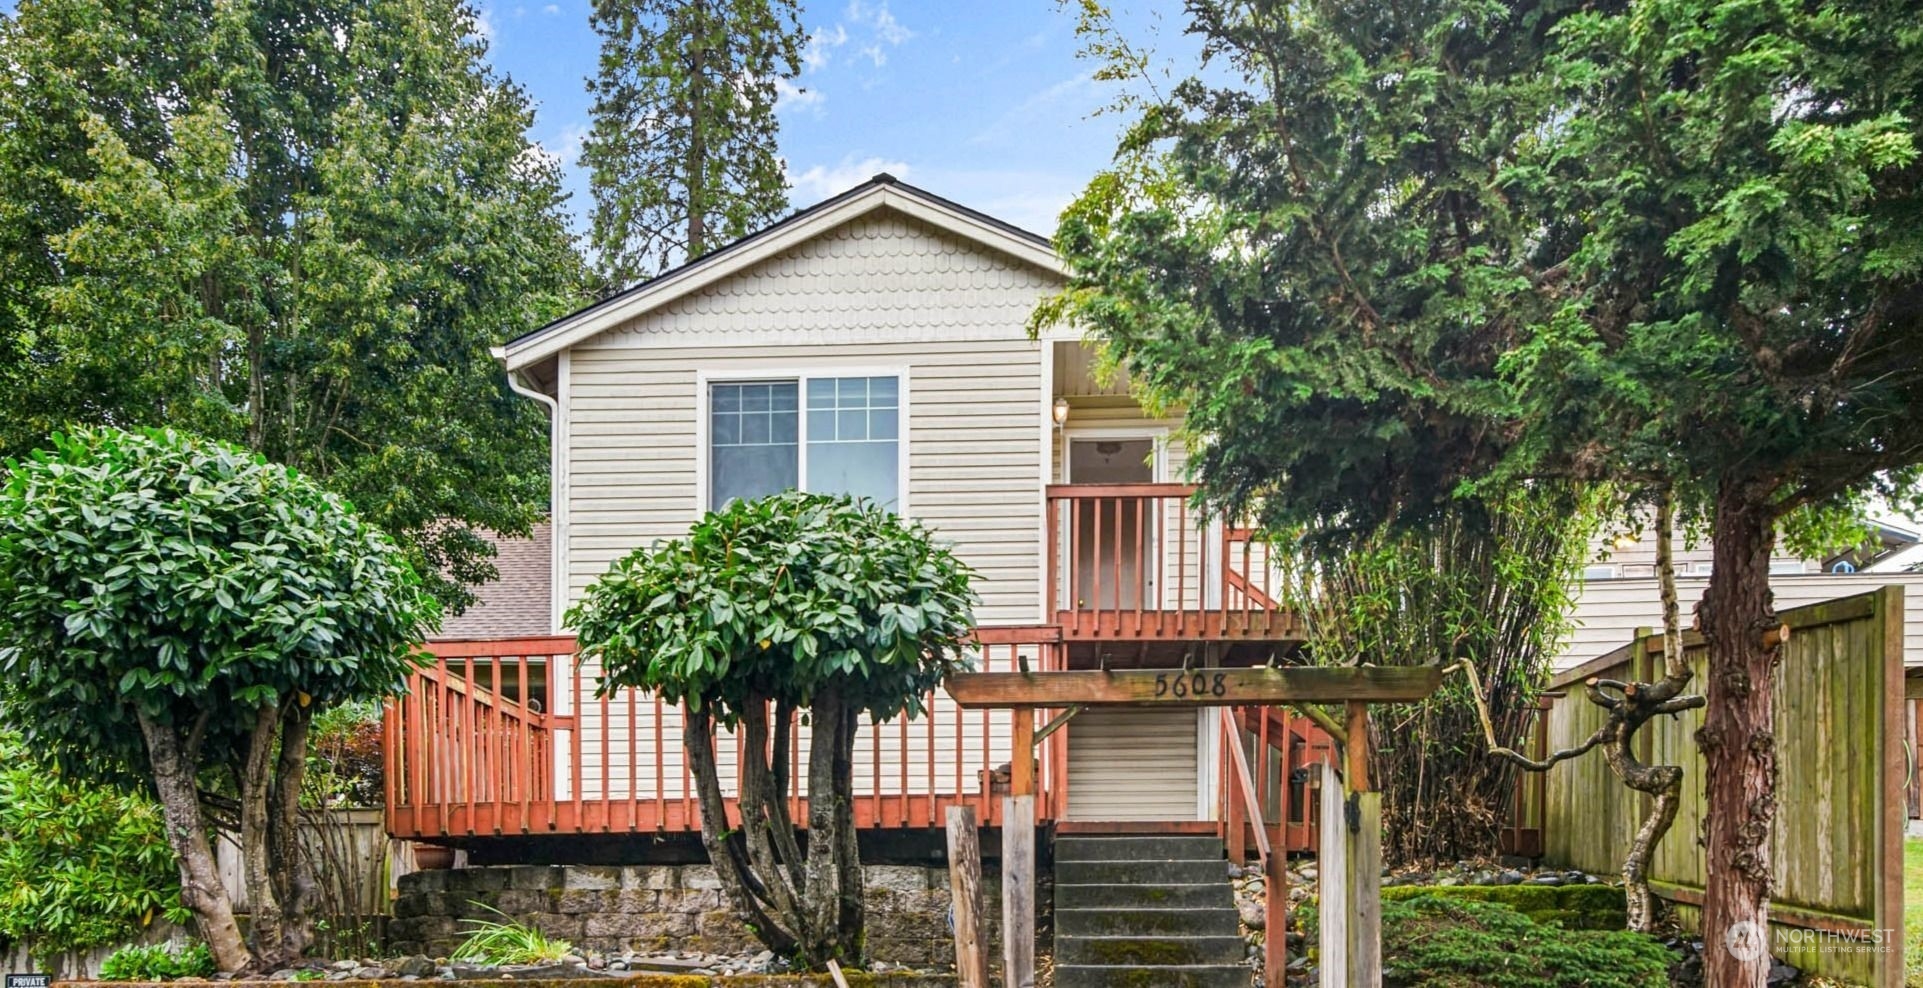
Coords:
pixel 983 102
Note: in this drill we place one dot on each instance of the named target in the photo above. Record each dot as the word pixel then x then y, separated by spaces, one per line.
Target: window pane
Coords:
pixel 754 429
pixel 750 472
pixel 862 469
pixel 752 444
pixel 852 444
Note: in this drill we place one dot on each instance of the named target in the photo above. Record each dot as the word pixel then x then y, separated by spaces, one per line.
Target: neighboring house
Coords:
pixel 1619 593
pixel 876 343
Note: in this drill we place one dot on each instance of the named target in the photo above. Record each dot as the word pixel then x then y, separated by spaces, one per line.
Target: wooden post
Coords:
pixel 1357 750
pixel 965 888
pixel 1332 869
pixel 1021 763
pixel 1018 891
pixel 1275 919
pixel 1365 896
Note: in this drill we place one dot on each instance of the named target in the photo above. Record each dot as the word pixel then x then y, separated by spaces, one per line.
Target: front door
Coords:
pixel 1112 536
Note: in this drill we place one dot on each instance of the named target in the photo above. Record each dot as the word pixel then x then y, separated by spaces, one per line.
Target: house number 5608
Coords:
pixel 1184 685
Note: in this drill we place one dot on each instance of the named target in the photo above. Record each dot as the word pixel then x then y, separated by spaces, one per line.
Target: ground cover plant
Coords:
pixel 1449 941
pixel 158 962
pixel 508 941
pixel 81 865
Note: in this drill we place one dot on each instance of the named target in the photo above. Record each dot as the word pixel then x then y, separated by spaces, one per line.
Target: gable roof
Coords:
pixel 884 191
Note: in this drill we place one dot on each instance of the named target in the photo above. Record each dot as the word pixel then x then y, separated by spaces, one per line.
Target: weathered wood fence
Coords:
pixel 1841 741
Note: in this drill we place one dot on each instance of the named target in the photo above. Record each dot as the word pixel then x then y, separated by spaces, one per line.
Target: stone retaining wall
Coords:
pixel 655 908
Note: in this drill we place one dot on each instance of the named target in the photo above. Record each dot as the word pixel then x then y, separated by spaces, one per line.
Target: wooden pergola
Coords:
pixel 1353 688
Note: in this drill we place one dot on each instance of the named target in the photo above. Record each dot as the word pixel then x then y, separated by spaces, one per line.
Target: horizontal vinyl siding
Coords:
pixel 1608 612
pixel 1132 765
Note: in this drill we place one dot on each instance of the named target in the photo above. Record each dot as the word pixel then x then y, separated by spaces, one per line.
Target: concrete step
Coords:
pixel 1125 895
pixel 1220 921
pixel 1157 872
pixel 1124 976
pixel 1142 848
pixel 1149 951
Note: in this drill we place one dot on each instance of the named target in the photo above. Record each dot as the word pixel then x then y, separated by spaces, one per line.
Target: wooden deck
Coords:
pixel 507 738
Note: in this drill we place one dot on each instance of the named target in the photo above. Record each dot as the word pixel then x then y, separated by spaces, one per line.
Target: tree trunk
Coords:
pixel 292 877
pixel 173 760
pixel 265 919
pixel 1738 740
pixel 822 899
pixel 697 163
pixel 737 878
pixel 853 915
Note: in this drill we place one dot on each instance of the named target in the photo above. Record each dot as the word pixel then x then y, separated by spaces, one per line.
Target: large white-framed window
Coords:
pixel 839 430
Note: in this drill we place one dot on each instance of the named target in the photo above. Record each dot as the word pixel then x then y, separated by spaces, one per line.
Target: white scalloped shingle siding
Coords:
pixel 879 278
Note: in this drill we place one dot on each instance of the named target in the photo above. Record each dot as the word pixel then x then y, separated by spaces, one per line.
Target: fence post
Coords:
pixel 965 886
pixel 1332 868
pixel 1018 891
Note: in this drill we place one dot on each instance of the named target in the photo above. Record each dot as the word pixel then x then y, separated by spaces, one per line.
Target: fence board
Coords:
pixel 1839 731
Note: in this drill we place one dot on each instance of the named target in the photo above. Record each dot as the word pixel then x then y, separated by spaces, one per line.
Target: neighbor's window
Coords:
pixel 852 442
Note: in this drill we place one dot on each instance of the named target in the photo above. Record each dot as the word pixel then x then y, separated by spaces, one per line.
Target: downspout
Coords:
pixel 556 491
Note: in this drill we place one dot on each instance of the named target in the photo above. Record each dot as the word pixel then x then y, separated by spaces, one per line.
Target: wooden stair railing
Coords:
pixel 1275 912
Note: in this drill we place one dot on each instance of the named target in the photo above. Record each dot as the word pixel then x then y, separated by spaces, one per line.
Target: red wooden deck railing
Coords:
pixel 1138 561
pixel 1280 746
pixel 463 760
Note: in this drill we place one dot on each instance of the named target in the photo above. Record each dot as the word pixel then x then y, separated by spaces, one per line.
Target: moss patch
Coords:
pixel 1455 941
pixel 1575 907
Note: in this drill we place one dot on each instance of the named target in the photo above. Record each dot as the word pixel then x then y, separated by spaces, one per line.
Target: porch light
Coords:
pixel 1060 411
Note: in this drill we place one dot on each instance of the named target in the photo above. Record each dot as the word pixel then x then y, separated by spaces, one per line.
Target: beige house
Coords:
pixel 876 343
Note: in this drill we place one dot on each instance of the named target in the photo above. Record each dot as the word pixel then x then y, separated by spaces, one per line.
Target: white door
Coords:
pixel 1111 536
pixel 1132 764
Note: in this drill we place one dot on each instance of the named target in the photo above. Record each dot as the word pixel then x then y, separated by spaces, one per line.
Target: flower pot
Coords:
pixel 433 857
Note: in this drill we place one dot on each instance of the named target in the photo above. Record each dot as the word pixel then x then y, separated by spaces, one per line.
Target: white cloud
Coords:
pixel 484 24
pixel 551 9
pixel 880 30
pixel 821 181
pixel 568 142
pixel 881 19
pixel 789 96
pixel 820 47
pixel 1045 107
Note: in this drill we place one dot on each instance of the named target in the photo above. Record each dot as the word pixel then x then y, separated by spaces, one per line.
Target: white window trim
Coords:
pixel 798 371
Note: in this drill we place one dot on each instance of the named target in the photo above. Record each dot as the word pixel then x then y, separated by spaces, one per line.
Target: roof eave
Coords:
pixel 937 212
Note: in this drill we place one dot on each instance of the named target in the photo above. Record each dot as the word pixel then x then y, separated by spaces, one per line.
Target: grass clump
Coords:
pixel 1436 941
pixel 1575 907
pixel 159 962
pixel 506 941
pixel 1913 912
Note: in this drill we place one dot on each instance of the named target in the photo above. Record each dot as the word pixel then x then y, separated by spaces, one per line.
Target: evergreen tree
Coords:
pixel 683 152
pixel 1390 254
pixel 296 225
